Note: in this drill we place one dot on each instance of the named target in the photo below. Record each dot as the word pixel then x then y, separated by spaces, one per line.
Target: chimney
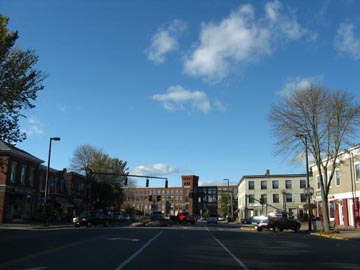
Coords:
pixel 267 172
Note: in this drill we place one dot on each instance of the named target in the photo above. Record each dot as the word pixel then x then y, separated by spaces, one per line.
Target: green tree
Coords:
pixel 102 172
pixel 225 204
pixel 19 83
pixel 327 121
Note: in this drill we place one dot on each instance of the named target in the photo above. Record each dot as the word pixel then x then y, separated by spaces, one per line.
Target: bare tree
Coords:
pixel 328 120
pixel 102 173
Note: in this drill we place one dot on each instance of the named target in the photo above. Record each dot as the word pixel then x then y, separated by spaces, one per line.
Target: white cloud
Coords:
pixel 298 82
pixel 33 127
pixel 165 41
pixel 284 21
pixel 347 42
pixel 240 39
pixel 177 98
pixel 158 169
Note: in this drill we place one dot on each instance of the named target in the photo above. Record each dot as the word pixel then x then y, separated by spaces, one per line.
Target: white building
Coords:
pixel 282 192
pixel 344 191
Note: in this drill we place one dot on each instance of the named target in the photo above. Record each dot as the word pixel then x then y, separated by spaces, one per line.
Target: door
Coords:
pixel 351 212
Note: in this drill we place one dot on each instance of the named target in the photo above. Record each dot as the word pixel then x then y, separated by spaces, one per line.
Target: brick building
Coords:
pixel 189 196
pixel 22 188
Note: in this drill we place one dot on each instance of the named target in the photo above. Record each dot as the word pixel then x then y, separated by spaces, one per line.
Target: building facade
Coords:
pixel 195 199
pixel 264 194
pixel 344 192
pixel 23 184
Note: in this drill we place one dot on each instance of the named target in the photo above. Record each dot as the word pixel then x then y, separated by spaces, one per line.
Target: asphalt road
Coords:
pixel 197 246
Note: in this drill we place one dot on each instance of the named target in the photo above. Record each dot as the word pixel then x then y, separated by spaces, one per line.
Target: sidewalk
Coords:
pixel 338 233
pixel 341 234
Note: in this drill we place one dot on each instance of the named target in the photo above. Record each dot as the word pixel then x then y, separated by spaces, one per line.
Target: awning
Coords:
pixel 66 204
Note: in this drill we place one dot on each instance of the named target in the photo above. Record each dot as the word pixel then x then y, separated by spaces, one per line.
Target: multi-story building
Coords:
pixel 23 184
pixel 190 197
pixel 19 176
pixel 263 194
pixel 344 191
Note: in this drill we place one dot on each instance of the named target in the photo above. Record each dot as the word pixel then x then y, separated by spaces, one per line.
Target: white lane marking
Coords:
pixel 123 239
pixel 128 260
pixel 243 266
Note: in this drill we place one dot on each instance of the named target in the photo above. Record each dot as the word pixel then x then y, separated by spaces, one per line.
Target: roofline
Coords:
pixel 265 176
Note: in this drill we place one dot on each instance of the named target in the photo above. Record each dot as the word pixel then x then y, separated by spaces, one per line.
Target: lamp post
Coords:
pixel 231 204
pixel 308 193
pixel 47 175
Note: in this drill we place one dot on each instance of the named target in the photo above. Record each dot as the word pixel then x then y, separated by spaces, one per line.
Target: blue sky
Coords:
pixel 179 87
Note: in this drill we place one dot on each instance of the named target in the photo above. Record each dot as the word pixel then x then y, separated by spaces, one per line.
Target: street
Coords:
pixel 198 246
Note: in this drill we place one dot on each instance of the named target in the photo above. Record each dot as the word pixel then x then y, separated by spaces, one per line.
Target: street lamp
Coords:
pixel 308 193
pixel 231 203
pixel 47 175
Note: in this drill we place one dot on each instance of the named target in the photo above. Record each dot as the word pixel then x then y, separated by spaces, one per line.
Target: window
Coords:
pixel 288 197
pixel 357 172
pixel 275 184
pixel 31 176
pixel 23 174
pixel 251 185
pixel 13 172
pixel 332 209
pixel 276 198
pixel 318 182
pixel 263 184
pixel 337 177
pixel 288 184
pixel 302 197
pixel 302 183
pixel 251 198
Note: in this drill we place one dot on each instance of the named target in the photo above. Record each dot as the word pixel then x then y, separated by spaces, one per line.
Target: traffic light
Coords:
pixel 150 198
pixel 158 198
pixel 147 182
pixel 166 183
pixel 261 200
pixel 125 181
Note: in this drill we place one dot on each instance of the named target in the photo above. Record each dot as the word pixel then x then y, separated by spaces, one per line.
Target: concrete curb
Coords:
pixel 331 236
pixel 247 229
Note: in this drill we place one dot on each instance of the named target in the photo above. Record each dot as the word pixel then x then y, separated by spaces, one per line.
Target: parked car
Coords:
pixel 246 220
pixel 126 217
pixel 277 223
pixel 93 219
pixel 117 216
pixel 212 219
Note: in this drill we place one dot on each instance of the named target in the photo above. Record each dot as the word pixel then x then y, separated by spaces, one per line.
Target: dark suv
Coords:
pixel 278 223
pixel 95 218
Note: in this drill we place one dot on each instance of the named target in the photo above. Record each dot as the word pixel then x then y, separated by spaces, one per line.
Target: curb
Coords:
pixel 329 236
pixel 247 229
